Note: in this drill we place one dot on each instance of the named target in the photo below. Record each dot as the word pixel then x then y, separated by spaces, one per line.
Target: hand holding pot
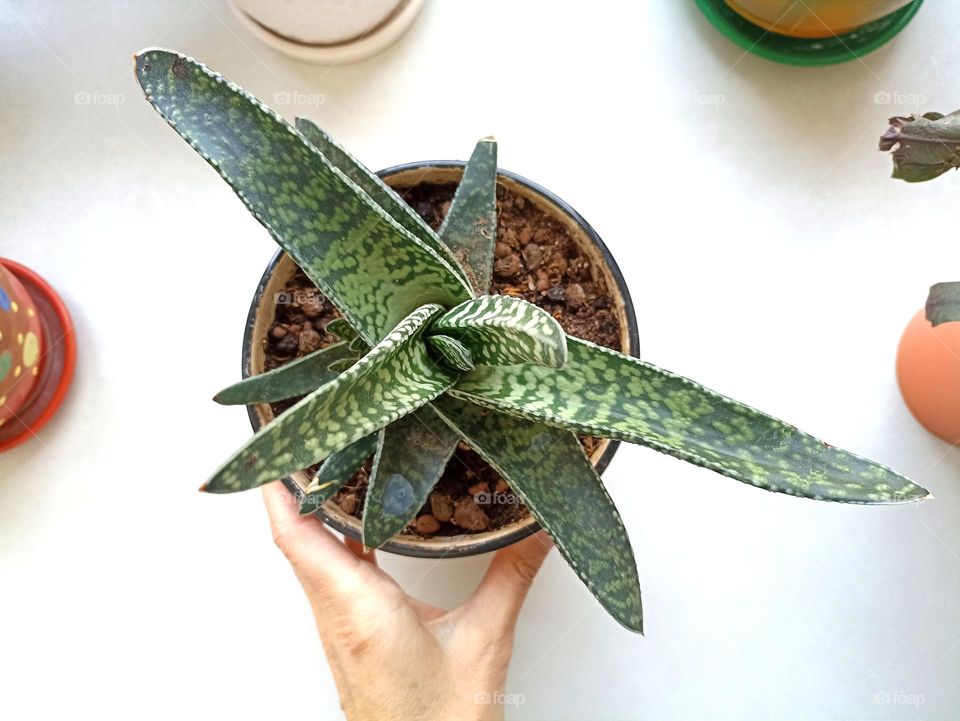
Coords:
pixel 393 656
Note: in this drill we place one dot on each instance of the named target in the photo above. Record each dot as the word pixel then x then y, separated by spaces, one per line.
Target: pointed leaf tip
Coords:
pixel 343 410
pixel 636 402
pixel 470 226
pixel 335 231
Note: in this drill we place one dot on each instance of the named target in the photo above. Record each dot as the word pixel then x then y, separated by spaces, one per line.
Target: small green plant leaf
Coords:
pixel 370 267
pixel 359 345
pixel 608 394
pixel 501 330
pixel 549 471
pixel 339 366
pixel 943 303
pixel 296 378
pixel 381 193
pixel 470 226
pixel 454 353
pixel 336 471
pixel 923 146
pixel 343 330
pixel 394 379
pixel 410 460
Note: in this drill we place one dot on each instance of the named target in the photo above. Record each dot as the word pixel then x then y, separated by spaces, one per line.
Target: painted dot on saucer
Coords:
pixel 6 360
pixel 31 312
pixel 4 300
pixel 31 350
pixel 14 306
pixel 17 371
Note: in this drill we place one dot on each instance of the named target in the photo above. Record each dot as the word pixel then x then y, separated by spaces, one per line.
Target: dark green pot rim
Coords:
pixel 806 51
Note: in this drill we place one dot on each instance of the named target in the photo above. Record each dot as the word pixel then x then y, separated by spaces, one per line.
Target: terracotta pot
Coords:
pixel 37 353
pixel 928 371
pixel 327 32
pixel 281 269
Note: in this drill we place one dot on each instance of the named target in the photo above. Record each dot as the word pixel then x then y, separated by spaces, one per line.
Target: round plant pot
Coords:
pixel 281 269
pixel 842 45
pixel 327 32
pixel 928 372
pixel 38 352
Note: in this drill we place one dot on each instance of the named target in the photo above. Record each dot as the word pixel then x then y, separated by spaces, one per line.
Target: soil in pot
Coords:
pixel 536 259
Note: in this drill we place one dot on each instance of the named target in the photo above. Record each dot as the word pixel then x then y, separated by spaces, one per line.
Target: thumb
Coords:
pixel 501 593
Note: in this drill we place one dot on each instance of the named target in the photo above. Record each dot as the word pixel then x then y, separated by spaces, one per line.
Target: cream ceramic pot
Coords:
pixel 327 31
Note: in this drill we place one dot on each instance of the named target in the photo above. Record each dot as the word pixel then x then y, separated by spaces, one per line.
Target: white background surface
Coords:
pixel 768 254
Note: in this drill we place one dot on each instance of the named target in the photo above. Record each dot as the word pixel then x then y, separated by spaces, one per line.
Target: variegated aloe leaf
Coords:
pixel 607 394
pixel 469 231
pixel 359 345
pixel 374 270
pixel 297 378
pixel 342 329
pixel 381 193
pixel 395 378
pixel 549 471
pixel 454 353
pixel 500 330
pixel 340 366
pixel 943 303
pixel 411 457
pixel 337 470
pixel 470 226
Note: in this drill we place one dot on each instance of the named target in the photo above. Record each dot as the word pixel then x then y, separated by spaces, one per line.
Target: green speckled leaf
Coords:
pixel 943 303
pixel 339 366
pixel 451 351
pixel 470 226
pixel 337 470
pixel 410 459
pixel 375 271
pixel 500 330
pixel 359 345
pixel 343 330
pixel 394 379
pixel 548 469
pixel 607 394
pixel 297 378
pixel 381 193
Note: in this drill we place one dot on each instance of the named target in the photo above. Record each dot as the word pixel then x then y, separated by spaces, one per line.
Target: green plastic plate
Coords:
pixel 806 51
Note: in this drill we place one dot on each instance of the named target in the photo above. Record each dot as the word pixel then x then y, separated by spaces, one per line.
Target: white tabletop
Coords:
pixel 769 256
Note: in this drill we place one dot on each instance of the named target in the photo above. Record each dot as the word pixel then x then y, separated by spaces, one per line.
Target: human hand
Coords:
pixel 392 655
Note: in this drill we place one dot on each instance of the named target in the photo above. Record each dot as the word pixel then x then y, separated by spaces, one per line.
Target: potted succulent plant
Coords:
pixel 429 358
pixel 544 252
pixel 37 353
pixel 928 358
